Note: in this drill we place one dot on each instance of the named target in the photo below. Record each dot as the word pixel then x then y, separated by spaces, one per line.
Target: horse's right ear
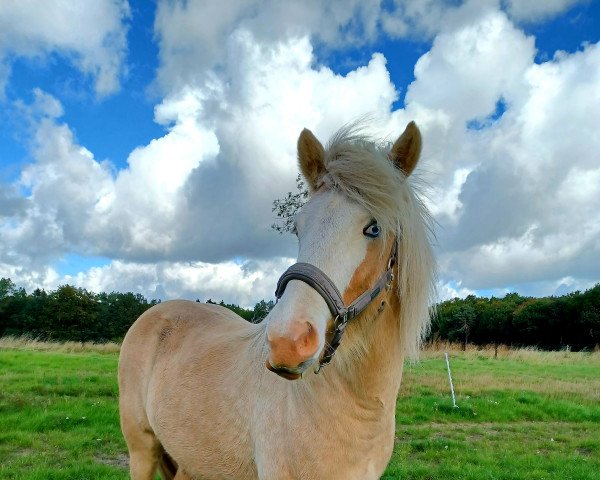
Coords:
pixel 407 149
pixel 311 157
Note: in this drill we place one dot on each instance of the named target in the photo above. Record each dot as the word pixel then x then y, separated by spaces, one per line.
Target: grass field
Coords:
pixel 527 414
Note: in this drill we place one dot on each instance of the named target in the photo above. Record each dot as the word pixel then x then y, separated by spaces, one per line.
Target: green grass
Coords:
pixel 536 417
pixel 59 416
pixel 528 414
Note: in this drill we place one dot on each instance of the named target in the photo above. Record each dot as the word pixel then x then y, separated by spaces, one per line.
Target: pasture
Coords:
pixel 526 414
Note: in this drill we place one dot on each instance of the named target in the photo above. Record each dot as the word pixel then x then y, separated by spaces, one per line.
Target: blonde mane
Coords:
pixel 359 166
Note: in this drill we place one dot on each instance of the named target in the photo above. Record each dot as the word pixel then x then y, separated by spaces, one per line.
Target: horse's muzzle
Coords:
pixel 293 348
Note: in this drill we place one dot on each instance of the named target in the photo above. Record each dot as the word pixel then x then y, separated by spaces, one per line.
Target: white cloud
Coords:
pixel 450 290
pixel 45 277
pixel 92 35
pixel 516 200
pixel 51 201
pixel 529 205
pixel 470 67
pixel 530 11
pixel 244 283
pixel 193 34
pixel 203 191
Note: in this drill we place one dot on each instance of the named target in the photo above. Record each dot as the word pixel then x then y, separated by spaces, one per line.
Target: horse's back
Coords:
pixel 165 318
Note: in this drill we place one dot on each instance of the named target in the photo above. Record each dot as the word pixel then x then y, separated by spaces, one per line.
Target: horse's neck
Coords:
pixel 373 372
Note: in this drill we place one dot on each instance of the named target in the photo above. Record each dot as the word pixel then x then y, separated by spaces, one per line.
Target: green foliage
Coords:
pixel 261 310
pixel 242 312
pixel 571 321
pixel 70 313
pixel 286 208
pixel 256 315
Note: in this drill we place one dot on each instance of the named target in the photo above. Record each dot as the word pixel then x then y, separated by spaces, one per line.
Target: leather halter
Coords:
pixel 319 281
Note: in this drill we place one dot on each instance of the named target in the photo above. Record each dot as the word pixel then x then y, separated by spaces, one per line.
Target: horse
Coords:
pixel 206 395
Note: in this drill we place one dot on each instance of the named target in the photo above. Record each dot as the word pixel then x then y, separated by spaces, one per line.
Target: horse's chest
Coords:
pixel 329 450
pixel 204 430
pixel 324 464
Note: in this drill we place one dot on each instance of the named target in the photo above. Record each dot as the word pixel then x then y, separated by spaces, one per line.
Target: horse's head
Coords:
pixel 348 230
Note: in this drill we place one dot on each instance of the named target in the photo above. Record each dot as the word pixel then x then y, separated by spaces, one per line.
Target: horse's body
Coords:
pixel 193 381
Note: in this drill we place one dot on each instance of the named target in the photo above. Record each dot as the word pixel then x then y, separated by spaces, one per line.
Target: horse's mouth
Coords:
pixel 287 372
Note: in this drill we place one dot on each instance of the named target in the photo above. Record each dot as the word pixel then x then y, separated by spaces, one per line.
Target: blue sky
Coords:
pixel 119 130
pixel 110 127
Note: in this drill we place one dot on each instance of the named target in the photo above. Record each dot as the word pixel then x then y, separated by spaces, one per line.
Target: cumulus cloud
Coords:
pixel 11 203
pixel 63 184
pixel 244 283
pixel 194 36
pixel 203 191
pixel 92 35
pixel 528 11
pixel 525 212
pixel 510 146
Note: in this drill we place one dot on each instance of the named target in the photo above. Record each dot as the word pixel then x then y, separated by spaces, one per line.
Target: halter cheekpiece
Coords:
pixel 319 281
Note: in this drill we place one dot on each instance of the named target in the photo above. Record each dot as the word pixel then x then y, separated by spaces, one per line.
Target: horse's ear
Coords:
pixel 407 149
pixel 311 157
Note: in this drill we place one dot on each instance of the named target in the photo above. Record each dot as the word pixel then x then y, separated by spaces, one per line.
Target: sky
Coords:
pixel 142 144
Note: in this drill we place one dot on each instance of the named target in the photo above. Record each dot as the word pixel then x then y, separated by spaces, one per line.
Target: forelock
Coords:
pixel 359 167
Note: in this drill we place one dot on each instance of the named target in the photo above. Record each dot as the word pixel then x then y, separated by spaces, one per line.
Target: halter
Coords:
pixel 319 281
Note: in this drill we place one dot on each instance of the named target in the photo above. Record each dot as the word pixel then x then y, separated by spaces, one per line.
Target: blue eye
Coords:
pixel 372 229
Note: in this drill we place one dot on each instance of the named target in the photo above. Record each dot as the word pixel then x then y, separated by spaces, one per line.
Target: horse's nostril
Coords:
pixel 297 344
pixel 308 341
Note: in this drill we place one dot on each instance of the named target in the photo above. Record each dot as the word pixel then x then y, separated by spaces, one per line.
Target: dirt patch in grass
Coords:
pixel 121 460
pixel 22 452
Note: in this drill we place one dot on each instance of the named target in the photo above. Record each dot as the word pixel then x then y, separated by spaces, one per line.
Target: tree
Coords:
pixel 29 317
pixel 71 314
pixel 118 311
pixel 465 318
pixel 286 208
pixel 245 313
pixel 13 301
pixel 495 318
pixel 7 288
pixel 261 310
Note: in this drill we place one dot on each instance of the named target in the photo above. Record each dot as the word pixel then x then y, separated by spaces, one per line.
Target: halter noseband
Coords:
pixel 320 282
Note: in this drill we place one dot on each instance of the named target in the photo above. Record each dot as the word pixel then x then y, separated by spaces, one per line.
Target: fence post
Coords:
pixel 451 385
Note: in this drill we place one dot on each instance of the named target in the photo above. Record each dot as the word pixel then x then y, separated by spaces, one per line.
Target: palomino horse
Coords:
pixel 201 390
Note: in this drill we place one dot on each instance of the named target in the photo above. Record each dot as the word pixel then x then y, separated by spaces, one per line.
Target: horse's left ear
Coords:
pixel 311 157
pixel 407 149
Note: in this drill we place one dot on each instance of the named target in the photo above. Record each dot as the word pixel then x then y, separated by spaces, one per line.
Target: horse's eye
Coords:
pixel 372 229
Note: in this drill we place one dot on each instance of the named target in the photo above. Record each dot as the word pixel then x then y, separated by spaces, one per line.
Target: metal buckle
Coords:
pixel 388 285
pixel 338 330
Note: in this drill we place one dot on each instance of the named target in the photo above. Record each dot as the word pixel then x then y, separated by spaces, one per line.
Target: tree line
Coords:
pixel 70 313
pixel 551 323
